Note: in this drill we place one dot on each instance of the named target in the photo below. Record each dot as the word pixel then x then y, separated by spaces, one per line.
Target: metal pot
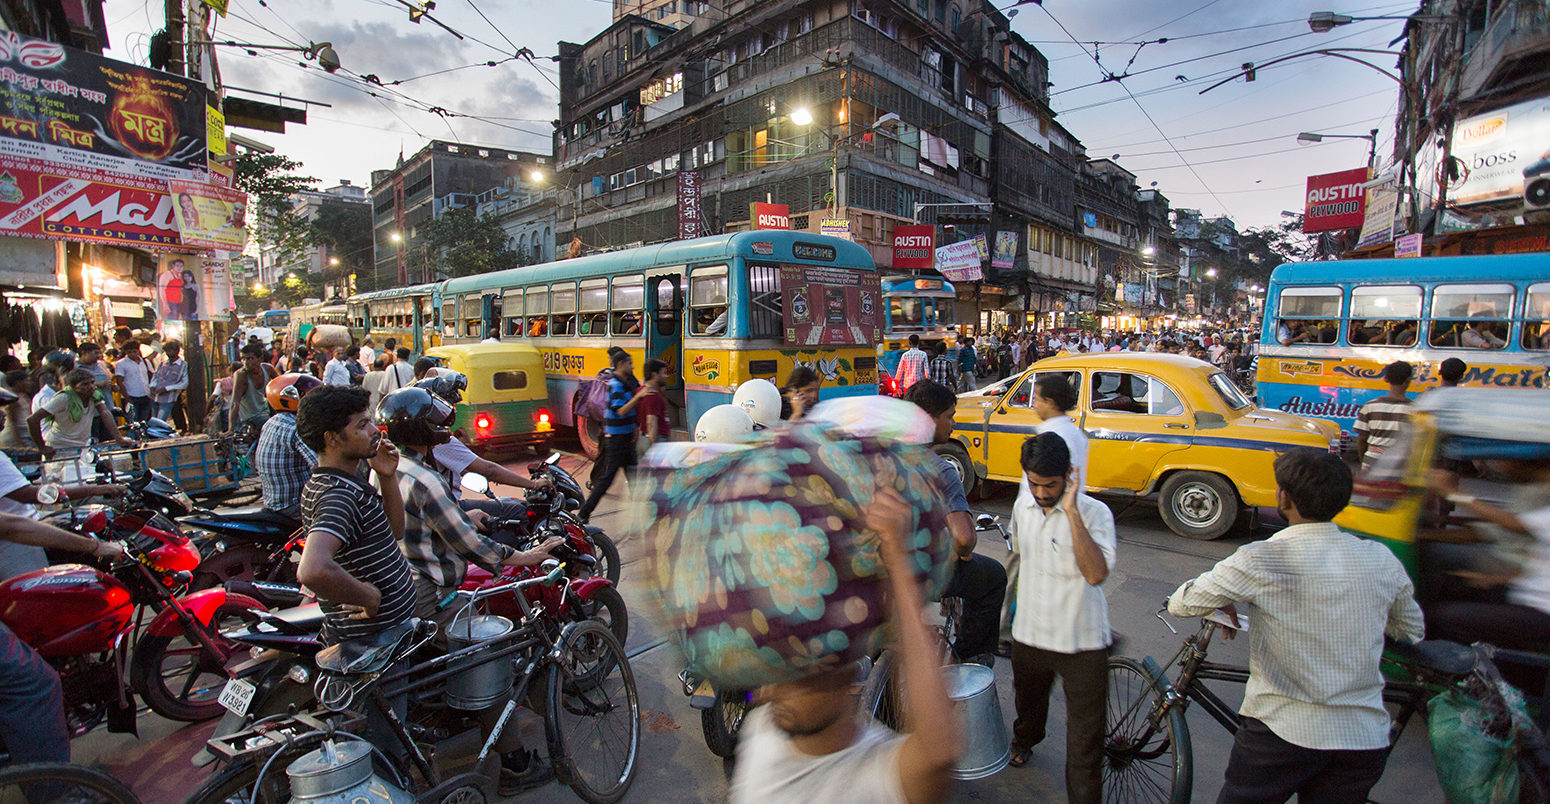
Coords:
pixel 484 683
pixel 987 748
pixel 340 774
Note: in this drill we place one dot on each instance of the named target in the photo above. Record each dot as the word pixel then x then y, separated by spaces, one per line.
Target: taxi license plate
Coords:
pixel 237 696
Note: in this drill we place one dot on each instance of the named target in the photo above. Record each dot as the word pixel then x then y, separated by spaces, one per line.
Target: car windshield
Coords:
pixel 1229 392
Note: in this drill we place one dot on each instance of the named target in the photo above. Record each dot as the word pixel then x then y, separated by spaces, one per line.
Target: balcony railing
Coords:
pixel 1518 31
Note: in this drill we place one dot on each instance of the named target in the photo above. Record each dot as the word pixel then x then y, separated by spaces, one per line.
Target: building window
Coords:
pixel 941 10
pixel 957 18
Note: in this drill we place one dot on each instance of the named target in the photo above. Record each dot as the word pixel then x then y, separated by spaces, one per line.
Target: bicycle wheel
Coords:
pixel 1144 763
pixel 723 720
pixel 593 714
pixel 61 781
pixel 880 695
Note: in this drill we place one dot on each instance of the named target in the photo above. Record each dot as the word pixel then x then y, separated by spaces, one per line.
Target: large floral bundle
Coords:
pixel 759 555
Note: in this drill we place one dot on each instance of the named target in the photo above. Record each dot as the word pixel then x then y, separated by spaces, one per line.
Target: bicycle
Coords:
pixel 586 679
pixel 61 781
pixel 1148 756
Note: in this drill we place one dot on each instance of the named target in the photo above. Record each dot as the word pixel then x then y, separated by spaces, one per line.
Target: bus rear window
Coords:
pixel 1536 318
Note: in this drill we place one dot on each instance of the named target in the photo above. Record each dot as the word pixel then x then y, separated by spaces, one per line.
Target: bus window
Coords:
pixel 708 300
pixel 944 313
pixel 449 318
pixel 537 303
pixel 669 304
pixel 1308 315
pixel 594 308
pixel 473 324
pixel 511 306
pixel 1384 315
pixel 629 304
pixel 906 311
pixel 1471 316
pixel 562 310
pixel 1536 318
pixel 766 307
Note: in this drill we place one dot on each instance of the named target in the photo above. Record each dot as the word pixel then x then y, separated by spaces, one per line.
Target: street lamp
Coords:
pixel 333 260
pixel 396 237
pixel 1324 21
pixel 537 176
pixel 1371 137
pixel 802 116
pixel 1211 272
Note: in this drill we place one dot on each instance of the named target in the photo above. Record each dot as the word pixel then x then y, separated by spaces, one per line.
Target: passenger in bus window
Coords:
pixel 537 327
pixel 1480 336
pixel 1536 336
pixel 1290 332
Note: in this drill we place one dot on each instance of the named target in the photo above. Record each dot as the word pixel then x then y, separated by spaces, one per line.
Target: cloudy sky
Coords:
pixel 1230 150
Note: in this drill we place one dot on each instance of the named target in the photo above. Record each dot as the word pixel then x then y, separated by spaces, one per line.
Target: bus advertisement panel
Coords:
pixel 830 306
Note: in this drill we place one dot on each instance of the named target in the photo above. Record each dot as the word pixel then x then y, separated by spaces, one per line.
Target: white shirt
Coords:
pixel 1532 586
pixel 137 381
pixel 454 456
pixel 46 393
pixel 16 559
pixel 368 356
pixel 1319 602
pixel 770 770
pixel 1057 609
pixel 335 373
pixel 399 375
pixel 1075 439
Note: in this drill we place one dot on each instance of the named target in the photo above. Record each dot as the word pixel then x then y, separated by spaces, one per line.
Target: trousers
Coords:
pixel 981 583
pixel 32 705
pixel 1265 769
pixel 1084 677
pixel 618 453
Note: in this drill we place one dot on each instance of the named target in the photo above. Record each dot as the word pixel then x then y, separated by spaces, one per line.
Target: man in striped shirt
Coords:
pixel 1379 423
pixel 618 447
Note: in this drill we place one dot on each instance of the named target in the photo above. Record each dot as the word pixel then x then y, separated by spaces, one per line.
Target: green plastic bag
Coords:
pixel 1474 765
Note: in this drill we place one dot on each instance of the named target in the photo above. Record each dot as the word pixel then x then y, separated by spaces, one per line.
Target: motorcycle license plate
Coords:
pixel 237 696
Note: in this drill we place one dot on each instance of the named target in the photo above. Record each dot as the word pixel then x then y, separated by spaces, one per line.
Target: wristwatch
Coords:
pixel 1458 498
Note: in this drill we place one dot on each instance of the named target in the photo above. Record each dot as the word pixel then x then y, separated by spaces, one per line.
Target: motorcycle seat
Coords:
pixel 1437 655
pixel 368 655
pixel 262 516
pixel 300 619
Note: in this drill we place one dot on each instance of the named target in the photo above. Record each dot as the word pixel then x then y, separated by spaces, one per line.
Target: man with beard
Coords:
pixel 812 742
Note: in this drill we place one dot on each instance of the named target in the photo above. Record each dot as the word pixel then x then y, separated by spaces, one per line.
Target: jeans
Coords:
pixel 1084 677
pixel 1265 769
pixel 618 452
pixel 163 410
pixel 32 705
pixel 139 408
pixel 966 381
pixel 981 583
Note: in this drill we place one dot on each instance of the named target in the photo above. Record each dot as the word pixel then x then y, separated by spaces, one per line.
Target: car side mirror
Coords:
pixel 476 483
pixel 1207 420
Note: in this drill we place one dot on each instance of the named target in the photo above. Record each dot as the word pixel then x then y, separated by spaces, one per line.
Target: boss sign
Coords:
pixel 1335 201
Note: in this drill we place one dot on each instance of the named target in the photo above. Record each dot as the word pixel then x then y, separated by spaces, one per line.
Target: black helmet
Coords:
pixel 416 417
pixel 60 360
pixel 448 385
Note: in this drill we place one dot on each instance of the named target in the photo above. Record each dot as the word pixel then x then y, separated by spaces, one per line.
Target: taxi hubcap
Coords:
pixel 1198 505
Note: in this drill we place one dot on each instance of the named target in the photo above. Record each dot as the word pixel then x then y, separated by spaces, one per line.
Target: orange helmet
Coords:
pixel 285 391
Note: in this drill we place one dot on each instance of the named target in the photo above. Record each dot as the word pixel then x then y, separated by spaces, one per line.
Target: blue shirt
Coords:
pixel 620 392
pixel 952 486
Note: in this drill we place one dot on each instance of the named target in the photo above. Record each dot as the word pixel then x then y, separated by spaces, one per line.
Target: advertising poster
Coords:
pixel 78 109
pixel 912 247
pixel 769 216
pixel 688 204
pixel 1005 254
pixel 39 199
pixel 179 287
pixel 1505 153
pixel 1378 217
pixel 830 307
pixel 215 298
pixel 960 261
pixel 1408 246
pixel 209 216
pixel 1334 201
pixel 835 227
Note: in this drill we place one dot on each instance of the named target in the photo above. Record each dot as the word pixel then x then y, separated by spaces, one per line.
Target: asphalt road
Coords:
pixel 674 764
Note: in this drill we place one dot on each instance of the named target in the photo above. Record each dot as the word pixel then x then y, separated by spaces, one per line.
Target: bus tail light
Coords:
pixel 482 424
pixel 543 420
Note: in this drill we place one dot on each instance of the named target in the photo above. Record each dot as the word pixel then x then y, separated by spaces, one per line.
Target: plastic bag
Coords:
pixel 1474 765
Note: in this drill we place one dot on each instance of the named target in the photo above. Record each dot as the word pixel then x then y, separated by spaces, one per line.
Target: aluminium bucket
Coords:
pixel 987 748
pixel 484 682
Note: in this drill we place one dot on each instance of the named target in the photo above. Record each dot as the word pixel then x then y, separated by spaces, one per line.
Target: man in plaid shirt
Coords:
pixel 942 368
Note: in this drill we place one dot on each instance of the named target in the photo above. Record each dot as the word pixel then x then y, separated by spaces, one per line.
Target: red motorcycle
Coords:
pixel 84 620
pixel 585 595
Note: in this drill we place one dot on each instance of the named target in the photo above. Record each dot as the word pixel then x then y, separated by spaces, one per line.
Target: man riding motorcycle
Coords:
pixel 282 460
pixel 454 459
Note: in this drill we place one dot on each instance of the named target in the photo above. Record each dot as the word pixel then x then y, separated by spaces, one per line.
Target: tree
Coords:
pixel 345 230
pixel 463 243
pixel 271 180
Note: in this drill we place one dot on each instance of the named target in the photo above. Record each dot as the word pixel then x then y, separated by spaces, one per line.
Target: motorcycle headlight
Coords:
pixel 299 674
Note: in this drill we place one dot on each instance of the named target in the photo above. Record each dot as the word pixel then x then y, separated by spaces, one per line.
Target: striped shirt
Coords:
pixel 1319 602
pixel 340 505
pixel 620 391
pixel 1382 419
pixel 944 370
pixel 912 368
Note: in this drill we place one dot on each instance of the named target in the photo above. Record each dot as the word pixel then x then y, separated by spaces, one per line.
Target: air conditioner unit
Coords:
pixel 1536 192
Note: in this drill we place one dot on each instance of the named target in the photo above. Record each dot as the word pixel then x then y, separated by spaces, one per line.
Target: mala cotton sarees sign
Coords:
pixel 759 557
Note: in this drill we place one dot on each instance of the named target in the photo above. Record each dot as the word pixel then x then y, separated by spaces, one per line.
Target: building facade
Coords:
pixel 274 260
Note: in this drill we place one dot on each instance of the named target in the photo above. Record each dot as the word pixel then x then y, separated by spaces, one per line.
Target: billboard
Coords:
pixel 1501 149
pixel 830 306
pixel 960 261
pixel 1005 255
pixel 78 109
pixel 912 247
pixel 209 216
pixel 769 216
pixel 835 227
pixel 41 199
pixel 1334 201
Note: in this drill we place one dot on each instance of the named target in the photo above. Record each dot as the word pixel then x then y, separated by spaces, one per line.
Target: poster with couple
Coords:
pixel 190 287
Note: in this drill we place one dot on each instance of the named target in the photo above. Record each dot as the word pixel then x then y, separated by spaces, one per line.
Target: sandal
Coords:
pixel 1020 757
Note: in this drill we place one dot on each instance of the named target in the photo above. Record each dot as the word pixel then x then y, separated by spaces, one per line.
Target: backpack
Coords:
pixel 592 398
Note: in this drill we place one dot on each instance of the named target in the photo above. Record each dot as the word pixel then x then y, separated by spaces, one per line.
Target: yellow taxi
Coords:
pixel 1156 423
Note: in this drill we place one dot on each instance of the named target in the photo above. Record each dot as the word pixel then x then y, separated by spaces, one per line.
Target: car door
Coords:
pixel 1013 421
pixel 1132 420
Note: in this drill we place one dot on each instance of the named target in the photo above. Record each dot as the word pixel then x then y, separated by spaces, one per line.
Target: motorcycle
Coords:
pixel 546 508
pixel 247 544
pixel 721 712
pixel 588 596
pixel 89 624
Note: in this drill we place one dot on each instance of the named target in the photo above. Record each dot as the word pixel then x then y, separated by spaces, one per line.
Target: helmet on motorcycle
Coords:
pixel 285 391
pixel 445 383
pixel 761 399
pixel 723 424
pixel 416 417
pixel 59 360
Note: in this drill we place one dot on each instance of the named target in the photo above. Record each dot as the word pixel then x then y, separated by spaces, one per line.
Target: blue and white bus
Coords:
pixel 915 305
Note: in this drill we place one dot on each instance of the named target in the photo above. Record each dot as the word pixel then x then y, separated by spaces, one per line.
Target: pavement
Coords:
pixel 673 763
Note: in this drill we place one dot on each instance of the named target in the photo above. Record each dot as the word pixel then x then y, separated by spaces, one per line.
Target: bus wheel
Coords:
pixel 1198 505
pixel 590 431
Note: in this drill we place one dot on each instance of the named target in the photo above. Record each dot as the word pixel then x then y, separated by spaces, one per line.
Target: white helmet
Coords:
pixel 723 424
pixel 761 399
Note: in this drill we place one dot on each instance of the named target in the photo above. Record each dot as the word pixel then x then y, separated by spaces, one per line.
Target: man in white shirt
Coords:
pixel 1053 399
pixel 912 365
pixel 400 372
pixel 1065 543
pixel 1321 601
pixel 134 382
pixel 812 743
pixel 336 373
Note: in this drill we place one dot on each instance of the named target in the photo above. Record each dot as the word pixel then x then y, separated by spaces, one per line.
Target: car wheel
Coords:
pixel 1198 505
pixel 958 458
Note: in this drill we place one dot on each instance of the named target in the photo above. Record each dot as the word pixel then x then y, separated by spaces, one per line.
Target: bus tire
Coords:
pixel 590 433
pixel 958 458
pixel 1198 505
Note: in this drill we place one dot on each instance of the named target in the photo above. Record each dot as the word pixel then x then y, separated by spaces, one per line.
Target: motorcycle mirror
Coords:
pixel 476 483
pixel 984 522
pixel 48 494
pixel 554 458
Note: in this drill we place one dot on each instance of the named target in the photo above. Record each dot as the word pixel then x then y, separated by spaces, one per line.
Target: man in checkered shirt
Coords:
pixel 942 368
pixel 1321 602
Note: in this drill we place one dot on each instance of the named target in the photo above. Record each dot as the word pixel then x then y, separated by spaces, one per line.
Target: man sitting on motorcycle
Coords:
pixel 283 461
pixel 454 459
pixel 440 539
